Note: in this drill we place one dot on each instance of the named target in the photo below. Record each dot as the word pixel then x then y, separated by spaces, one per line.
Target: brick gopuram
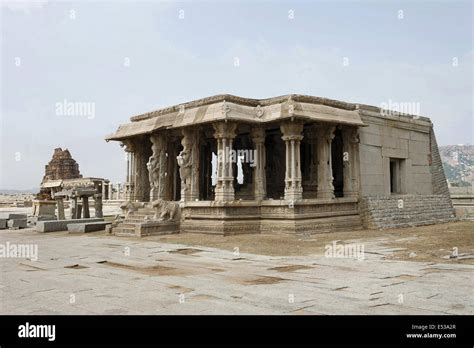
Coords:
pixel 289 164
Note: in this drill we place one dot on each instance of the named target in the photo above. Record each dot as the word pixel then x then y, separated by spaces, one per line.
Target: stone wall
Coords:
pixel 384 212
pixel 440 185
pixel 398 137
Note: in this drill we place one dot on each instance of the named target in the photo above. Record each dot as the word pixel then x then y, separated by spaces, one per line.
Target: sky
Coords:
pixel 125 58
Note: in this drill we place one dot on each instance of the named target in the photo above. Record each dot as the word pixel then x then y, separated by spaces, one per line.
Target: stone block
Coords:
pixel 61 225
pixel 3 224
pixel 87 227
pixel 10 216
pixel 419 147
pixel 394 152
pixel 17 223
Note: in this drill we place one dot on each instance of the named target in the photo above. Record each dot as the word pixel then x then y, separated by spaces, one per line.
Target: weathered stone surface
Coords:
pixel 17 223
pixel 61 225
pixel 87 227
pixel 213 281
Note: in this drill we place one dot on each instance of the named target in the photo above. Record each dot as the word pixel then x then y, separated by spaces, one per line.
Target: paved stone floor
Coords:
pixel 100 274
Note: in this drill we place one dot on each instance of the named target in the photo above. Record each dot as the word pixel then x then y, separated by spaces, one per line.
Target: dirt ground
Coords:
pixel 432 243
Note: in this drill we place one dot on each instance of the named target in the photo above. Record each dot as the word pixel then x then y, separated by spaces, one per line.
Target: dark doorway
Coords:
pixel 206 190
pixel 337 164
pixel 395 177
pixel 275 164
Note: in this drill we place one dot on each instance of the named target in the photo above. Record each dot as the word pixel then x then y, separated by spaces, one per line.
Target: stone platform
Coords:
pixel 272 216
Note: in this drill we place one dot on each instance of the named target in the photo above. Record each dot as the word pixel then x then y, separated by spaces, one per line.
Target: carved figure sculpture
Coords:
pixel 164 209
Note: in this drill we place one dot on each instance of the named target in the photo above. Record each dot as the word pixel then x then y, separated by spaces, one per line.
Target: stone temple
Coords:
pixel 61 166
pixel 290 164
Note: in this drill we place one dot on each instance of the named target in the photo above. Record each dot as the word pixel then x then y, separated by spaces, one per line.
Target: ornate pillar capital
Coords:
pixel 224 130
pixel 291 129
pixel 257 135
pixel 128 145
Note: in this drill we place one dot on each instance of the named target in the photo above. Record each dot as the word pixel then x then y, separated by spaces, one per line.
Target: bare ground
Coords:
pixel 429 243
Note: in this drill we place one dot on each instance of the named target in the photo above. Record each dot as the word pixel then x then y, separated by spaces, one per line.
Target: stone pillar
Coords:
pixel 130 178
pixel 60 203
pixel 325 134
pixel 119 188
pixel 98 205
pixel 85 206
pixel 292 136
pixel 103 189
pixel 157 168
pixel 74 207
pixel 350 139
pixel 224 134
pixel 188 161
pixel 259 174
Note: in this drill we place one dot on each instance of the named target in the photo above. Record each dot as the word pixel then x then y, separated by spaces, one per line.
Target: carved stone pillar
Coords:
pixel 325 134
pixel 157 168
pixel 188 161
pixel 224 134
pixel 351 161
pixel 141 184
pixel 259 175
pixel 130 179
pixel 292 136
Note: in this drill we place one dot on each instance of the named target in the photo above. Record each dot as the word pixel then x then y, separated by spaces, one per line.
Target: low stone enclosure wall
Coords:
pixel 405 211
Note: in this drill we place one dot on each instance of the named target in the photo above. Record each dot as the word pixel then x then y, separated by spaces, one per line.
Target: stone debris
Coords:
pixel 13 221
